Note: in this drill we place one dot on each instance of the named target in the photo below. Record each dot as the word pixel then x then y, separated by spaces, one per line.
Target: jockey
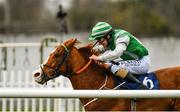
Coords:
pixel 124 54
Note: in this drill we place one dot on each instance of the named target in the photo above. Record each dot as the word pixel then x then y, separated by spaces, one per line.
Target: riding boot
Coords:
pixel 128 76
pixel 132 78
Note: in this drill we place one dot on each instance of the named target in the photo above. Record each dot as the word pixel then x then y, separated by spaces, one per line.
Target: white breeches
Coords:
pixel 133 66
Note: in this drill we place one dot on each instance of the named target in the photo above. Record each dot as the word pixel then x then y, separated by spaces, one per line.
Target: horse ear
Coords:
pixel 77 42
pixel 74 40
pixel 71 42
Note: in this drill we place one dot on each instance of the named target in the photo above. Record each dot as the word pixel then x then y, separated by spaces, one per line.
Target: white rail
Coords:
pixel 20 45
pixel 24 44
pixel 55 93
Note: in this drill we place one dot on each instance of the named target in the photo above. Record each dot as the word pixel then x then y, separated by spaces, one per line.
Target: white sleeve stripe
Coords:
pixel 120 33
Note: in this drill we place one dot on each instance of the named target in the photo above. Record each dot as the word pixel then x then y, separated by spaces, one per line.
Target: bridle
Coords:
pixel 63 60
pixel 56 71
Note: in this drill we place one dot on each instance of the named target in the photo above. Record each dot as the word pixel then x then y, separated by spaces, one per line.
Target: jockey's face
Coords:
pixel 104 42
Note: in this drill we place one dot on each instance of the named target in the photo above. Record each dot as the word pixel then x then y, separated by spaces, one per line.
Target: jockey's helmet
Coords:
pixel 100 30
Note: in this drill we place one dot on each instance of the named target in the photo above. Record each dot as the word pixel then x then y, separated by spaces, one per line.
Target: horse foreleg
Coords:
pixel 177 105
pixel 177 102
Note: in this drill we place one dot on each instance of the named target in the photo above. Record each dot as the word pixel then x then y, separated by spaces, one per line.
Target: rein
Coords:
pixel 84 68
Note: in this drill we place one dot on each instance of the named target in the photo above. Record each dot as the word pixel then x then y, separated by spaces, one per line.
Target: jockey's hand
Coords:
pixel 94 57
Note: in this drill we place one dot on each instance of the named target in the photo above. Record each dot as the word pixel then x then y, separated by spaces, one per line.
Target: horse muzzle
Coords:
pixel 38 76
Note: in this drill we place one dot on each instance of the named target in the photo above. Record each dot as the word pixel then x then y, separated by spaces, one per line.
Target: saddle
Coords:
pixel 148 79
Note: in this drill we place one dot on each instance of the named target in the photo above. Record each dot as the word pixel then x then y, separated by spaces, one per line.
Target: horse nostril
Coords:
pixel 37 74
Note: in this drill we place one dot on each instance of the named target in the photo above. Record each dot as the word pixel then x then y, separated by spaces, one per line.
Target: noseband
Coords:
pixel 57 72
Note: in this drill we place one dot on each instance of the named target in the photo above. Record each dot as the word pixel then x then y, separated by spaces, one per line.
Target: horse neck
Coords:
pixel 92 78
pixel 76 60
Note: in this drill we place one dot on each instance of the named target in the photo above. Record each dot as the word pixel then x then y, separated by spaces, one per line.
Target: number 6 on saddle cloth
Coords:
pixel 148 79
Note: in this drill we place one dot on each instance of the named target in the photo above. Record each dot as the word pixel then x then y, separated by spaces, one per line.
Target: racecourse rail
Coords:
pixel 56 93
pixel 24 44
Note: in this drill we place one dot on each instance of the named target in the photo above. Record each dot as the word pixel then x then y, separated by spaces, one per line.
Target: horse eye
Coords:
pixel 56 55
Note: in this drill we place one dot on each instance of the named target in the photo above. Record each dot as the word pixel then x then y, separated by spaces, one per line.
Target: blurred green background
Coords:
pixel 140 17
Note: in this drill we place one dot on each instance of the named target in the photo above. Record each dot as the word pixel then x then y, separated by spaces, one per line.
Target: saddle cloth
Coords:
pixel 148 79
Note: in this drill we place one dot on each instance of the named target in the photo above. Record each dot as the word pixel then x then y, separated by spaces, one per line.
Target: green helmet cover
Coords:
pixel 100 30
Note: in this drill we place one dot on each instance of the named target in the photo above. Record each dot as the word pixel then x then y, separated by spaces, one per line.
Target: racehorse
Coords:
pixel 74 63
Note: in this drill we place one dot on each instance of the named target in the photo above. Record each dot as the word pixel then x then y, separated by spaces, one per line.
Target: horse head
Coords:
pixel 56 64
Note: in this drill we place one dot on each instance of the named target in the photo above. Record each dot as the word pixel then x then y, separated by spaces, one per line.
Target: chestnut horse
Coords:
pixel 85 74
